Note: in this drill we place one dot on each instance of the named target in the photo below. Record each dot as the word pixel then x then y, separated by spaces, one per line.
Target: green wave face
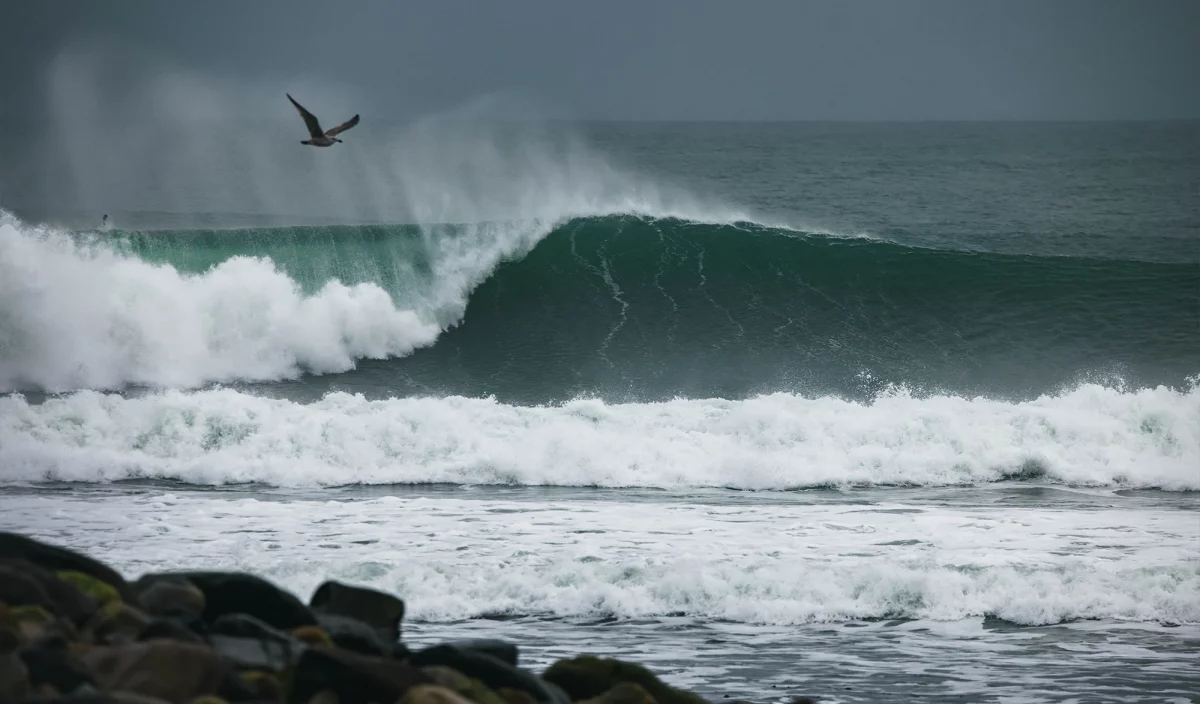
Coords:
pixel 395 257
pixel 645 308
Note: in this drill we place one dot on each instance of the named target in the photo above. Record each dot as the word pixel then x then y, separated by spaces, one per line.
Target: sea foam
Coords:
pixel 1090 436
pixel 763 563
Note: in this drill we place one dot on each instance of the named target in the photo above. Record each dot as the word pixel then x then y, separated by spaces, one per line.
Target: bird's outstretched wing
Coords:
pixel 334 131
pixel 310 120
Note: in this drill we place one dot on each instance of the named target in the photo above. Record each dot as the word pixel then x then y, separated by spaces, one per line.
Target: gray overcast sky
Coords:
pixel 654 59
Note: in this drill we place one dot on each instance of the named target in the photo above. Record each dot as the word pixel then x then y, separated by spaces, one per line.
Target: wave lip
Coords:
pixel 1090 436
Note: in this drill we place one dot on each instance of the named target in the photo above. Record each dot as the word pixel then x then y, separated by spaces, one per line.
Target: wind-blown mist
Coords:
pixel 177 145
pixel 179 142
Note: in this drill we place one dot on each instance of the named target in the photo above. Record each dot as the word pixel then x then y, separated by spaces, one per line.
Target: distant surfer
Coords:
pixel 104 226
pixel 321 138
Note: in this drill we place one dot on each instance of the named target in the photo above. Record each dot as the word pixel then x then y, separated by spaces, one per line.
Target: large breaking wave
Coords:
pixel 649 299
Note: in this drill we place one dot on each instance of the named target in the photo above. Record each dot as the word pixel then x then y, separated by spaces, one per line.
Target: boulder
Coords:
pixel 117 623
pixel 102 592
pixel 20 588
pixel 247 626
pixel 459 683
pixel 589 677
pixel 264 686
pixel 312 635
pixel 170 629
pixel 49 662
pixel 169 670
pixel 22 583
pixel 352 634
pixel 10 630
pixel 499 649
pixel 432 694
pixel 491 671
pixel 354 678
pixel 623 693
pixel 516 696
pixel 172 598
pixel 238 593
pixel 447 677
pixel 14 677
pixel 30 622
pixel 256 654
pixel 237 688
pixel 325 696
pixel 250 643
pixel 92 698
pixel 55 559
pixel 376 609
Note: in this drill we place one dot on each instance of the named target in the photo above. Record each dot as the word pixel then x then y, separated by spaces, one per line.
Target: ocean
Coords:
pixel 868 412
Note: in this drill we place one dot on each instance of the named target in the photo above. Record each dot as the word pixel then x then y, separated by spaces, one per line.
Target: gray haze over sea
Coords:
pixel 869 411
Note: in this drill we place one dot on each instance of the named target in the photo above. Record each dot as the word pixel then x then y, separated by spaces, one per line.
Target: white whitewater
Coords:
pixel 760 562
pixel 1090 436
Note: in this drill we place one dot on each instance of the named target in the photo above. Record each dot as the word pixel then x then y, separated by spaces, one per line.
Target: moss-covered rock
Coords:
pixel 30 622
pixel 493 672
pixel 30 612
pixel 447 677
pixel 589 677
pixel 468 687
pixel 432 694
pixel 55 559
pixel 312 635
pixel 624 693
pixel 117 623
pixel 171 597
pixel 102 592
pixel 516 696
pixel 265 685
pixel 22 583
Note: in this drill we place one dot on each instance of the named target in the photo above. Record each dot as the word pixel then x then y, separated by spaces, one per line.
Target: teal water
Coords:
pixel 638 309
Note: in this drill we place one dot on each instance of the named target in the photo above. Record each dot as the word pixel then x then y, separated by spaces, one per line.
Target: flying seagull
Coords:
pixel 321 138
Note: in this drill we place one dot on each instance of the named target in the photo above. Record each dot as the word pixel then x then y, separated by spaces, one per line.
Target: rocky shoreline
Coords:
pixel 73 630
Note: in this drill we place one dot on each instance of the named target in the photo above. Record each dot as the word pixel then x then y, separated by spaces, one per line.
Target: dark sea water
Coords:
pixel 872 412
